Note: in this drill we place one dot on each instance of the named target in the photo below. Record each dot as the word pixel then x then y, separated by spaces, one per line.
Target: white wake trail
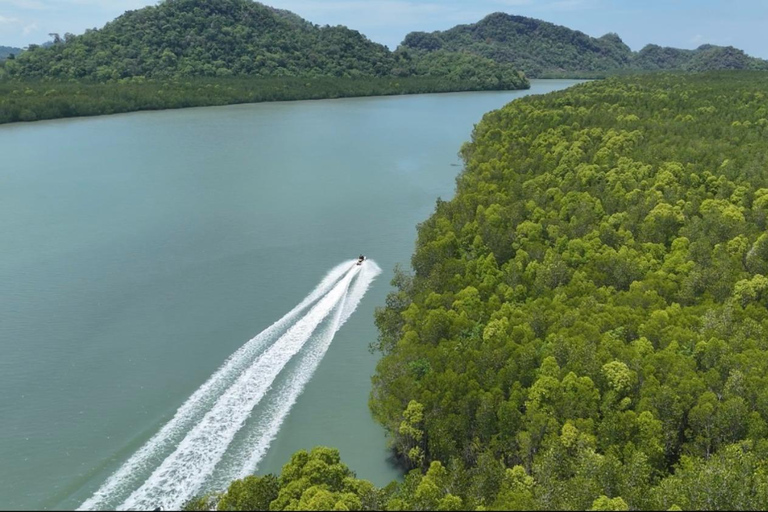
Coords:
pixel 183 472
pixel 369 271
pixel 120 483
pixel 263 435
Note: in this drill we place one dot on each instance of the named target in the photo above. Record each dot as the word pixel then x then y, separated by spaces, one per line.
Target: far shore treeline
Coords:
pixel 188 53
pixel 183 53
pixel 37 100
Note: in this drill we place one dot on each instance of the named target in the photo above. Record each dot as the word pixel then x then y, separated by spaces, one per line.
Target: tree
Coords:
pixel 250 493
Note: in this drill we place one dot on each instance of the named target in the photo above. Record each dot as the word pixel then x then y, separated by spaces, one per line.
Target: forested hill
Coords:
pixel 206 38
pixel 222 38
pixel 184 53
pixel 704 58
pixel 7 51
pixel 541 48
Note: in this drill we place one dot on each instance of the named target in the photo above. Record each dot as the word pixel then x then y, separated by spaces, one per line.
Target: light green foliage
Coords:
pixel 517 491
pixel 410 433
pixel 586 326
pixel 318 480
pixel 592 306
pixel 750 290
pixel 250 493
pixel 205 502
pixel 606 503
pixel 619 376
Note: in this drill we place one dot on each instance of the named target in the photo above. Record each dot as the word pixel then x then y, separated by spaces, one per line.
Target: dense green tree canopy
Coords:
pixel 540 48
pixel 592 306
pixel 532 45
pixel 586 327
pixel 224 38
pixel 213 38
pixel 704 58
pixel 36 100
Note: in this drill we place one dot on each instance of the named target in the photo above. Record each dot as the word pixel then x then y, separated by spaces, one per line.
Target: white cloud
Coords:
pixel 28 29
pixel 8 21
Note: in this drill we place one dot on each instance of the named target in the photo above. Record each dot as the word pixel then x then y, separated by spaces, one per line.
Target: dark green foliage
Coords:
pixel 733 479
pixel 704 58
pixel 592 306
pixel 710 57
pixel 315 480
pixel 36 100
pixel 543 49
pixel 586 327
pixel 250 493
pixel 462 67
pixel 532 45
pixel 9 51
pixel 185 53
pixel 202 503
pixel 655 57
pixel 182 39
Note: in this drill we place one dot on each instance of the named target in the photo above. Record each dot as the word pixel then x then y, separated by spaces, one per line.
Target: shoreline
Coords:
pixel 18 124
pixel 30 102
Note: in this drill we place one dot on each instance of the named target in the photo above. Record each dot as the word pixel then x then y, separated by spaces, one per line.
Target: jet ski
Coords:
pixel 360 260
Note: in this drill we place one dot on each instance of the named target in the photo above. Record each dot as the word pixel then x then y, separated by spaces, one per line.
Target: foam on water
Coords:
pixel 282 401
pixel 184 471
pixel 120 484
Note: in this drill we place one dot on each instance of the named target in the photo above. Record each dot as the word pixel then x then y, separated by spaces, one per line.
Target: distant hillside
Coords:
pixel 7 51
pixel 532 45
pixel 221 38
pixel 541 48
pixel 207 38
pixel 704 58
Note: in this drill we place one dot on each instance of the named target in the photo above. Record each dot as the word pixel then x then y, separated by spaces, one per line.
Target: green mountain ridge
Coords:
pixel 223 38
pixel 215 38
pixel 541 48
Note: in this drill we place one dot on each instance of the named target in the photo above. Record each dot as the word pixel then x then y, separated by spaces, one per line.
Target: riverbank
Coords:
pixel 148 248
pixel 24 101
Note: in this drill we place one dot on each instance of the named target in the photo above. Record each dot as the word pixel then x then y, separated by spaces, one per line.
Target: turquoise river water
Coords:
pixel 140 251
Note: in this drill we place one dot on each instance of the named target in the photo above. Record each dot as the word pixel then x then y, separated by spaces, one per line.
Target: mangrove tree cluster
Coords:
pixel 591 309
pixel 586 323
pixel 37 100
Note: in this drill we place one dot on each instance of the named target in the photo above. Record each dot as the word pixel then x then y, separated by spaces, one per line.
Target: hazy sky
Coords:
pixel 679 23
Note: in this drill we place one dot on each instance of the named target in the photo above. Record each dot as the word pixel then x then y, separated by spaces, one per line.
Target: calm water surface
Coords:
pixel 140 250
